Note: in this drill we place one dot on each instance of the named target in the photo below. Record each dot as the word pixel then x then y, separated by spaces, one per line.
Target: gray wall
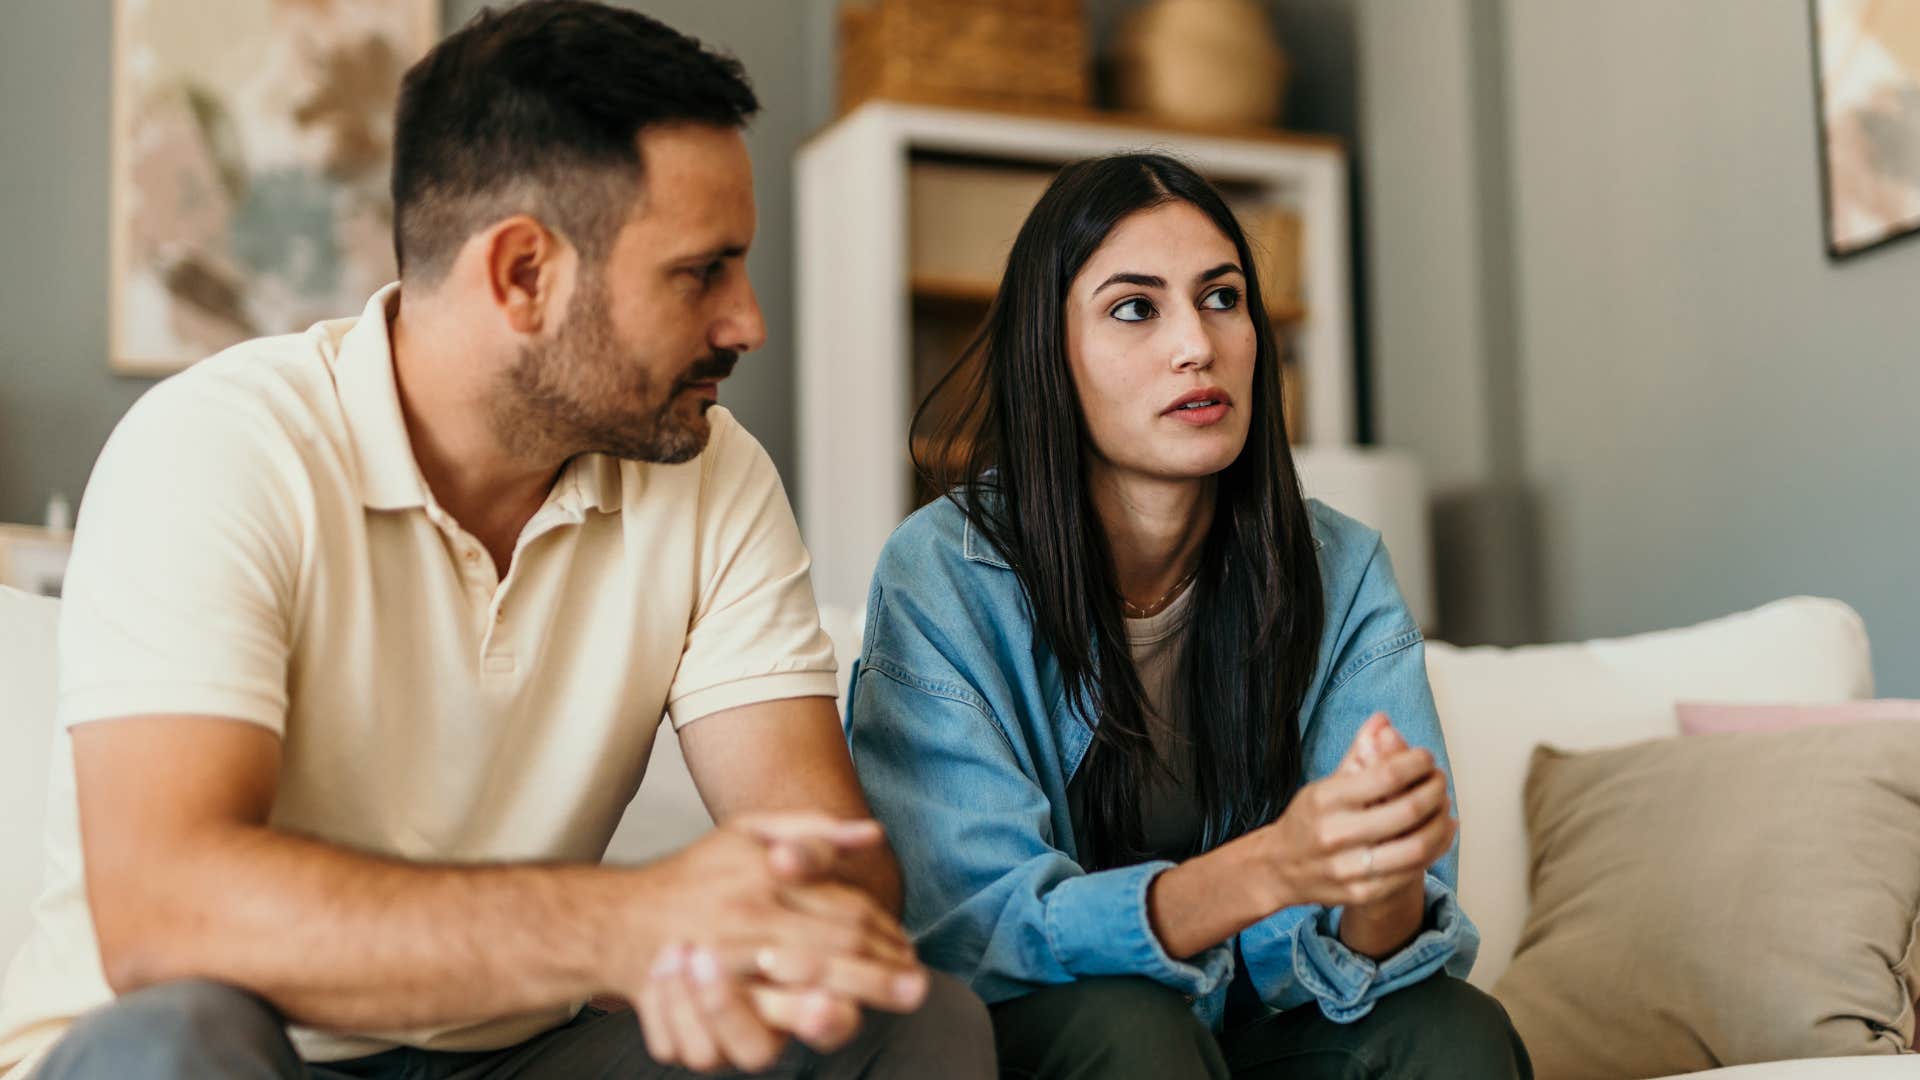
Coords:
pixel 1625 301
pixel 57 400
pixel 1435 160
pixel 1717 413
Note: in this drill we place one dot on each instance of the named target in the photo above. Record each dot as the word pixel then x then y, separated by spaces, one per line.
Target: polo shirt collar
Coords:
pixel 370 398
pixel 596 482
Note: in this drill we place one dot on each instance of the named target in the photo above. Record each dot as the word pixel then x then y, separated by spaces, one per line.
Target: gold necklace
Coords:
pixel 1135 611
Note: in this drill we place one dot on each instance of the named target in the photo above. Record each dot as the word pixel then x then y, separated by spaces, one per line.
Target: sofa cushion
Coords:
pixel 1718 900
pixel 1497 704
pixel 27 625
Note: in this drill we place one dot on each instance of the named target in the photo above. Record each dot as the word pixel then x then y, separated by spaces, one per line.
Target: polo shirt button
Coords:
pixel 472 555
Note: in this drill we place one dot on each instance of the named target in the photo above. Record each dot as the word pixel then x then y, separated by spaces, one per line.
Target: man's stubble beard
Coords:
pixel 555 400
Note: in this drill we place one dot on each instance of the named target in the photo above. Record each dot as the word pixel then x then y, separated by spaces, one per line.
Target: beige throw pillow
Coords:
pixel 1720 900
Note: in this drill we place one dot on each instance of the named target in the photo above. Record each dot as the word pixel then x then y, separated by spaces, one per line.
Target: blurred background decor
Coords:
pixel 33 559
pixel 1868 57
pixel 251 146
pixel 1385 489
pixel 1199 62
pixel 964 52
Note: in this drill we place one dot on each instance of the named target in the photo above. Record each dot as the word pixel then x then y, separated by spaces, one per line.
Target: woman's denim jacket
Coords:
pixel 964 743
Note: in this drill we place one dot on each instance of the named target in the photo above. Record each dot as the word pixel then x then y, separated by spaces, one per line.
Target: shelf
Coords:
pixel 959 292
pixel 1113 118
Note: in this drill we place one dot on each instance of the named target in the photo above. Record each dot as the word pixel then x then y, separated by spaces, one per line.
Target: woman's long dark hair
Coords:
pixel 1004 432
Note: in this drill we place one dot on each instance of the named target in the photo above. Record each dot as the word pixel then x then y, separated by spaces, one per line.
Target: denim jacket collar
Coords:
pixel 976 548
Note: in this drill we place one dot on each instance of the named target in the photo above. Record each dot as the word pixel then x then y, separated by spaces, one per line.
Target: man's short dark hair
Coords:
pixel 537 109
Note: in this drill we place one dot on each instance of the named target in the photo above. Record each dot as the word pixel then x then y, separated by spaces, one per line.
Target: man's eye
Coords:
pixel 1134 310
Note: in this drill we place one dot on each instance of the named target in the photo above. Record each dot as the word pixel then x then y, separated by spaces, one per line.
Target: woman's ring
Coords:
pixel 765 960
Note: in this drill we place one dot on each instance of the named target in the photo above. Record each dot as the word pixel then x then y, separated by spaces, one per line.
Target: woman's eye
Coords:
pixel 1134 310
pixel 1222 299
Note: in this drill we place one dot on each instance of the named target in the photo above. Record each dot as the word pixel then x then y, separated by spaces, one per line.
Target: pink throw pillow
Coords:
pixel 1708 718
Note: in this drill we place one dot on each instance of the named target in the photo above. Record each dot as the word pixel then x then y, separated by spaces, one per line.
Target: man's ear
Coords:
pixel 527 267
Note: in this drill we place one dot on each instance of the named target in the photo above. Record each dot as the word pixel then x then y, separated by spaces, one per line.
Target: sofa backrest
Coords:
pixel 1496 705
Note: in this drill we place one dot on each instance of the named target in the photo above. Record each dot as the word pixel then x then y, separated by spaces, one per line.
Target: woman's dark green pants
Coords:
pixel 1112 1029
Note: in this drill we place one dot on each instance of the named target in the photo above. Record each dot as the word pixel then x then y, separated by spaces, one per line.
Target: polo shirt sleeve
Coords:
pixel 176 598
pixel 755 634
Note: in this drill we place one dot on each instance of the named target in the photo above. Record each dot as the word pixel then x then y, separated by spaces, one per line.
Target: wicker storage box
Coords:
pixel 962 220
pixel 964 52
pixel 1274 234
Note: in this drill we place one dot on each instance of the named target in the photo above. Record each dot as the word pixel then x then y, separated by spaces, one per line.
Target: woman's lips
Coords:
pixel 1201 407
pixel 1201 416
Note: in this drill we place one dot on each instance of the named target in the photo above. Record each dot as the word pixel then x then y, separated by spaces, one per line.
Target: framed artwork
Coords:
pixel 251 147
pixel 1867 71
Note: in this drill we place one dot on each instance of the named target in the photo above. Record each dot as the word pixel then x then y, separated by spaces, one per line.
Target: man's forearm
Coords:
pixel 876 872
pixel 337 939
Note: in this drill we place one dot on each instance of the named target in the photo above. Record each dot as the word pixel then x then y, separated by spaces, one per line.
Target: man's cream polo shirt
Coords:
pixel 257 543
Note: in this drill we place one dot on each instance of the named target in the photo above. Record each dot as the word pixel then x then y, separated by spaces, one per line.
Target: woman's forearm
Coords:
pixel 1382 928
pixel 1209 898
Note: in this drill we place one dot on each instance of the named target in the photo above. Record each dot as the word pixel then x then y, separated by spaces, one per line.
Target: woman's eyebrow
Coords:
pixel 1150 281
pixel 1124 278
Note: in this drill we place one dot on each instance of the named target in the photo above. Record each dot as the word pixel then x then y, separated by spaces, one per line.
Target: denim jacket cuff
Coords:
pixel 1346 984
pixel 1097 925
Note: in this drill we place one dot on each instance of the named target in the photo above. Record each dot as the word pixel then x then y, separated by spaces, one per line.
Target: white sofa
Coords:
pixel 1495 705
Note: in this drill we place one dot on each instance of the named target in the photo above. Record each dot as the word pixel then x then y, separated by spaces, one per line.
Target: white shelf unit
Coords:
pixel 855 308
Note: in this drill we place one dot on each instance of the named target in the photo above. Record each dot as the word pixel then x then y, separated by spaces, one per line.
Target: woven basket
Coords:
pixel 965 52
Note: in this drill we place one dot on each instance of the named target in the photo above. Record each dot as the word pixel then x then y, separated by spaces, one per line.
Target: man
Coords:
pixel 368 632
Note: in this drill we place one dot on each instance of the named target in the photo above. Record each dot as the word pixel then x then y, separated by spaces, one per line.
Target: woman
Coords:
pixel 1121 700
